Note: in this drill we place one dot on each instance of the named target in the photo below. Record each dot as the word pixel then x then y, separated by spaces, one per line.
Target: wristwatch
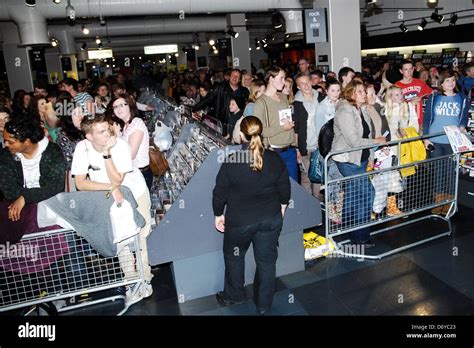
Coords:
pixel 106 156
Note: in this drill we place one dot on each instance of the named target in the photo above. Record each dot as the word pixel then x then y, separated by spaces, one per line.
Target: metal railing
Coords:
pixel 59 265
pixel 372 198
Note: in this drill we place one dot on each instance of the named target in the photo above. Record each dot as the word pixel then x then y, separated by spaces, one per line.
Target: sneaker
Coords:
pixel 148 289
pixel 133 294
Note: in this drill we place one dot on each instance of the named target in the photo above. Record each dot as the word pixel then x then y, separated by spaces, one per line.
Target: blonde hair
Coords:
pixel 404 112
pixel 291 96
pixel 252 129
pixel 243 78
pixel 254 87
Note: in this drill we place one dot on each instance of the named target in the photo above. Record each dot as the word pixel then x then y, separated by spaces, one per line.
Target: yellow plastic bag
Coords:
pixel 315 246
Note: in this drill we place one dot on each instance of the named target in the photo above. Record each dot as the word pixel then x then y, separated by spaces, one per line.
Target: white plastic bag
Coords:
pixel 123 222
pixel 162 136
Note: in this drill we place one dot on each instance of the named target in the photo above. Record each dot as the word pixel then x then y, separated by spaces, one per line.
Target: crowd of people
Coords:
pixel 89 137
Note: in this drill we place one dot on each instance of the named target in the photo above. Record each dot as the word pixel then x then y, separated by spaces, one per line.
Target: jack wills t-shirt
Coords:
pixel 446 112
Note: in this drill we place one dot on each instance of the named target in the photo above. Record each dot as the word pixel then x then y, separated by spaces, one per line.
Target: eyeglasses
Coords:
pixel 120 106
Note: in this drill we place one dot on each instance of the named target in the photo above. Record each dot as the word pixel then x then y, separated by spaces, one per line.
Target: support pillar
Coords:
pixel 18 66
pixel 343 47
pixel 240 46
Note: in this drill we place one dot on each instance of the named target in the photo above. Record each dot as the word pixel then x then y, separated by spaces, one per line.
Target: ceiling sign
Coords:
pixel 100 54
pixel 161 49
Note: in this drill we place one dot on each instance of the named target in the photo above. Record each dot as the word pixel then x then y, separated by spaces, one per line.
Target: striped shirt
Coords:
pixel 81 99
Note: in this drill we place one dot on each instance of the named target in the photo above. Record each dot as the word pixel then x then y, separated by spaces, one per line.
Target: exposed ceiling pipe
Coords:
pixel 148 40
pixel 31 24
pixel 66 34
pixel 146 26
pixel 34 29
pixel 110 8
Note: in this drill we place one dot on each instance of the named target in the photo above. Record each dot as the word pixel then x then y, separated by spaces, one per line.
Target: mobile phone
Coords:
pixel 386 133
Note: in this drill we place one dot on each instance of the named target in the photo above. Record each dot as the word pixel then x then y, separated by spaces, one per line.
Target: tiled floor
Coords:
pixel 431 279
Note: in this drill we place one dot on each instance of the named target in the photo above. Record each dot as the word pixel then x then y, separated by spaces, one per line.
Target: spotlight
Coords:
pixel 100 46
pixel 437 17
pixel 83 47
pixel 197 46
pixel 370 2
pixel 70 12
pixel 422 25
pixel 250 48
pixel 54 42
pixel 258 48
pixel 216 51
pixel 30 3
pixel 176 55
pixel 98 40
pixel 278 21
pixel 85 30
pixel 432 1
pixel 232 33
pixel 403 28
pixel 102 21
pixel 287 36
pixel 57 1
pixel 454 19
pixel 214 47
pixel 212 42
pixel 287 44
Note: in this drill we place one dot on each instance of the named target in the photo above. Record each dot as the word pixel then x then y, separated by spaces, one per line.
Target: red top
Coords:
pixel 416 88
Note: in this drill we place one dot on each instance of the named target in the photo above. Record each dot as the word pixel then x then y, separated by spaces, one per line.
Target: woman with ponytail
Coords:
pixel 254 188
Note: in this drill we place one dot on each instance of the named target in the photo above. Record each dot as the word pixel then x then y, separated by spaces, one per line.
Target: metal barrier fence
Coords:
pixel 368 199
pixel 52 266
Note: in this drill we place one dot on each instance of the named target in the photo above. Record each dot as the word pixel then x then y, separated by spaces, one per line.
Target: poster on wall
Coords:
pixel 315 25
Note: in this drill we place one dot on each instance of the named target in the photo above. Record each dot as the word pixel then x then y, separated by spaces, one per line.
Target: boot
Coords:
pixel 439 197
pixel 392 209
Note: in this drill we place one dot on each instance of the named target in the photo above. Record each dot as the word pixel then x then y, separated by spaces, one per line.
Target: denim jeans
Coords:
pixel 289 156
pixel 264 238
pixel 358 200
pixel 442 169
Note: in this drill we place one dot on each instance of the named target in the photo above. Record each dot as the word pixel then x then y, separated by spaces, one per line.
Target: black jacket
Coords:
pixel 250 196
pixel 220 96
pixel 301 126
pixel 52 179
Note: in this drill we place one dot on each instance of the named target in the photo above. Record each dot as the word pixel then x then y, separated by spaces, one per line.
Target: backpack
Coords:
pixel 326 135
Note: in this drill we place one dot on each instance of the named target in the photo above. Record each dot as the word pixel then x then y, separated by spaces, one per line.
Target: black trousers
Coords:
pixel 264 238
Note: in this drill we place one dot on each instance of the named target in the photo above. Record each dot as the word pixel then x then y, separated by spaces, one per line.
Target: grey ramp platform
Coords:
pixel 187 237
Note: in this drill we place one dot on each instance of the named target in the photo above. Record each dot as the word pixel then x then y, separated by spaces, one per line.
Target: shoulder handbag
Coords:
pixel 266 140
pixel 316 170
pixel 158 163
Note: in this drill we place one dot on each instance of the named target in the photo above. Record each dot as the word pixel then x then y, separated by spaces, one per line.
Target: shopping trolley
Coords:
pixel 422 190
pixel 61 269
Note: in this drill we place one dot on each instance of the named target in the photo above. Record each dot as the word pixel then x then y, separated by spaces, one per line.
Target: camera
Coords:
pixel 430 148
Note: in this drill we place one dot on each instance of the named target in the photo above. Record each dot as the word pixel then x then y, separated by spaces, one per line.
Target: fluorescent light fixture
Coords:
pixel 161 49
pixel 100 54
